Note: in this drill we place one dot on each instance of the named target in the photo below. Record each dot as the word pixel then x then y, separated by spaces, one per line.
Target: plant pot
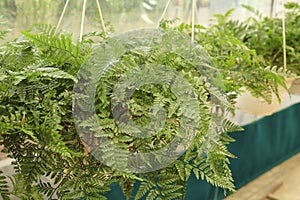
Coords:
pixel 295 87
pixel 258 106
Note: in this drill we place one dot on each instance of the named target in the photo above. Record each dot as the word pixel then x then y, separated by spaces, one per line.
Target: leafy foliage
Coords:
pixel 37 128
pixel 38 72
pixel 162 186
pixel 265 36
pixel 241 61
pixel 115 65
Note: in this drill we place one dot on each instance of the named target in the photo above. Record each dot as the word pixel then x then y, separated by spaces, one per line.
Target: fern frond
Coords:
pixel 59 47
pixel 46 29
pixel 143 189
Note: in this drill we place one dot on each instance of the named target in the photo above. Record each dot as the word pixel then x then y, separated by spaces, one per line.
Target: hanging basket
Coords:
pixel 295 87
pixel 258 106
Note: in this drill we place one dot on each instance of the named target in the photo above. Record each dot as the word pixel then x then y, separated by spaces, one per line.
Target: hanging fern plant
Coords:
pixel 54 160
pixel 242 66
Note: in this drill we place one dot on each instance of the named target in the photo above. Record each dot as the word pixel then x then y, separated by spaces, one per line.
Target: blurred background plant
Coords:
pixel 265 36
pixel 241 67
pixel 123 15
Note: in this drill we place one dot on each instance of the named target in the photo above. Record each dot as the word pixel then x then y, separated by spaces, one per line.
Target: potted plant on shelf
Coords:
pixel 52 159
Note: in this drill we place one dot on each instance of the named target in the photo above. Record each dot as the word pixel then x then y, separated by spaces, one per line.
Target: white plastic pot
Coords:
pixel 258 106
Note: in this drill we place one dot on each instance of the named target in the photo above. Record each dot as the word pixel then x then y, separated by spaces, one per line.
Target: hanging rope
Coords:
pixel 275 7
pixel 193 21
pixel 283 35
pixel 272 8
pixel 164 12
pixel 82 20
pixel 101 17
pixel 197 13
pixel 61 16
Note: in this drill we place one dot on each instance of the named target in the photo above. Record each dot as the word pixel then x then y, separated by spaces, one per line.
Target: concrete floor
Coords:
pixel 280 183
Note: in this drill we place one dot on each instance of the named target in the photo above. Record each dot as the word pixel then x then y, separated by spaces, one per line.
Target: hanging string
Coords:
pixel 275 7
pixel 82 20
pixel 272 8
pixel 197 13
pixel 283 35
pixel 61 16
pixel 193 21
pixel 164 12
pixel 101 17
